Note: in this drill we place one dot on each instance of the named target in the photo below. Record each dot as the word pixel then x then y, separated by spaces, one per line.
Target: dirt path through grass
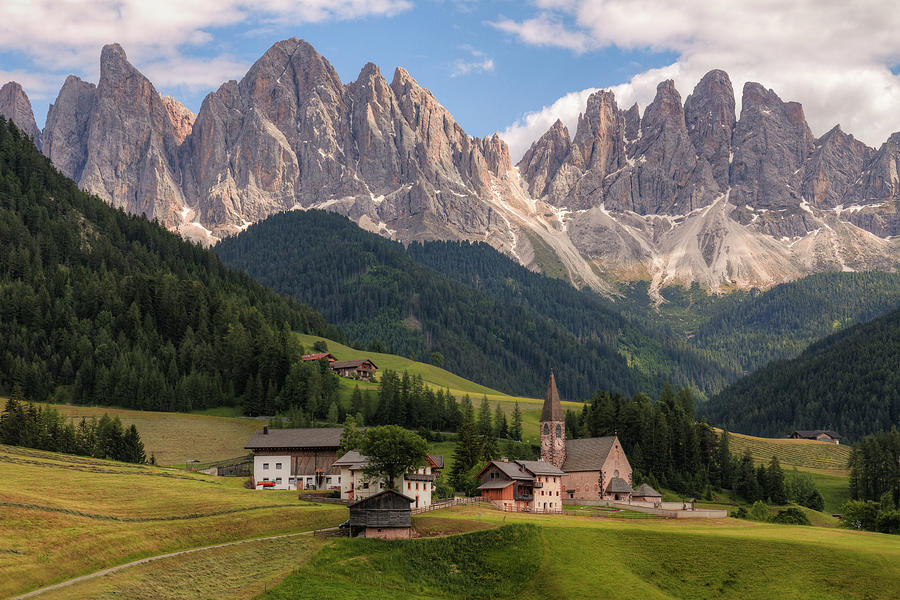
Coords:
pixel 148 559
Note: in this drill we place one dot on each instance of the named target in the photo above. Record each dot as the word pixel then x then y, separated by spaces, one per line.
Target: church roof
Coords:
pixel 587 454
pixel 617 485
pixel 552 408
pixel 646 491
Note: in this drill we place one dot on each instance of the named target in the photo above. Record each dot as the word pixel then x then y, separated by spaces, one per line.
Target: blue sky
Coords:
pixel 505 66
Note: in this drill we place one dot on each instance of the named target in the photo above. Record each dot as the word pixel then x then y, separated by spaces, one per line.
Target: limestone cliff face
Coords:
pixel 702 196
pixel 15 106
pixel 683 192
pixel 117 140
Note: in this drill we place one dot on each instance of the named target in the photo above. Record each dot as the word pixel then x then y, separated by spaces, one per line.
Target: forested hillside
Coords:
pixel 493 321
pixel 383 298
pixel 97 306
pixel 849 382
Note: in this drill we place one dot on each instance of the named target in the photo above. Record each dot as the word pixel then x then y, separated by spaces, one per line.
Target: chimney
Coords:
pixel 504 459
pixel 265 430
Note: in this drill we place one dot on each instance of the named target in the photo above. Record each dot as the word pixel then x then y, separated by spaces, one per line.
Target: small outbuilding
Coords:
pixel 386 515
pixel 645 493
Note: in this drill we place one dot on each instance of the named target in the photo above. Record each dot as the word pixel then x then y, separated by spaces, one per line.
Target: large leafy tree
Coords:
pixel 392 452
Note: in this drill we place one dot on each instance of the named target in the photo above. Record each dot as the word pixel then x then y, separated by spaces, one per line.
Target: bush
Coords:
pixel 759 511
pixel 859 514
pixel 815 501
pixel 740 513
pixel 791 516
pixel 888 521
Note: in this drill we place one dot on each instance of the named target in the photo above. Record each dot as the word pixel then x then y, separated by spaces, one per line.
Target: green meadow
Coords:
pixel 531 556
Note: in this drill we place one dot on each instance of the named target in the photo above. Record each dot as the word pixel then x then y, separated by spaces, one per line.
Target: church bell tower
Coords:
pixel 553 427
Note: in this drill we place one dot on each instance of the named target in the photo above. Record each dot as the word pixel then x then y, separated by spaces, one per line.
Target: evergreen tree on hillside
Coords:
pixel 515 429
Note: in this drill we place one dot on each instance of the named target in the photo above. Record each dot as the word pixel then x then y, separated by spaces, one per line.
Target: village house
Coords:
pixel 326 355
pixel 645 493
pixel 363 370
pixel 522 485
pixel 295 459
pixel 594 468
pixel 820 435
pixel 385 515
pixel 417 485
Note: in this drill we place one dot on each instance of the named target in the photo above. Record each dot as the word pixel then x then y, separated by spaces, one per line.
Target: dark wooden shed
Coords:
pixel 385 515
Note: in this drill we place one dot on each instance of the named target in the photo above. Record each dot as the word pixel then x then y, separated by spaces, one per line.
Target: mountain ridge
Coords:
pixel 686 192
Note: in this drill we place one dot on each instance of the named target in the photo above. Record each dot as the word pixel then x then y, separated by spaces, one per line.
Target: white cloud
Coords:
pixel 68 35
pixel 38 85
pixel 193 74
pixel 831 55
pixel 479 63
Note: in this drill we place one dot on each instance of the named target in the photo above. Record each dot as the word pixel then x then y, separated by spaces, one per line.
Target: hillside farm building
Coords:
pixel 418 486
pixel 363 370
pixel 326 355
pixel 820 435
pixel 386 515
pixel 296 459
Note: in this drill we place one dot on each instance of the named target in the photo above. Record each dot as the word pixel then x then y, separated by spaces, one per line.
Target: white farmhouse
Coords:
pixel 417 485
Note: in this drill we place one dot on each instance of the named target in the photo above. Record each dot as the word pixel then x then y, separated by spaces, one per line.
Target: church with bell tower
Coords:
pixel 594 468
pixel 553 427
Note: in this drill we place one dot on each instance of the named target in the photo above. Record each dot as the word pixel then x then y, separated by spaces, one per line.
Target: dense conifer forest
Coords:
pixel 848 382
pixel 101 307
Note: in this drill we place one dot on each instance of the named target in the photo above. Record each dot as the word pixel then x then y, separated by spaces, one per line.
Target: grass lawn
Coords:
pixel 178 437
pixel 808 454
pixel 64 516
pixel 241 571
pixel 540 556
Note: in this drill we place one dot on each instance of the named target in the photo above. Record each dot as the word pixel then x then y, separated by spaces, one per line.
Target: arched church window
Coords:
pixel 558 430
pixel 546 429
pixel 616 473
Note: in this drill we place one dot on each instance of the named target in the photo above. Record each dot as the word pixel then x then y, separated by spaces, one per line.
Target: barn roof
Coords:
pixel 347 364
pixel 647 491
pixel 811 433
pixel 438 460
pixel 327 355
pixel 587 454
pixel 510 469
pixel 310 437
pixel 617 485
pixel 371 499
pixel 552 410
pixel 539 467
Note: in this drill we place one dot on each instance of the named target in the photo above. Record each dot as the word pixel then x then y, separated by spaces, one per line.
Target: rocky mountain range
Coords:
pixel 687 191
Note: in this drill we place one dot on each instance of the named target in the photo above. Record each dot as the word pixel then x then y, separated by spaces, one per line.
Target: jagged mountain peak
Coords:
pixel 15 106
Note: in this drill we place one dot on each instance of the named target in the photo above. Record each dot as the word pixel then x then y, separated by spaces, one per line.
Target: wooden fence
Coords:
pixel 447 503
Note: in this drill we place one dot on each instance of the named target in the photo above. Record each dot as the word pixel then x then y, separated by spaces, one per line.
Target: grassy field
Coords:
pixel 64 516
pixel 177 437
pixel 532 556
pixel 234 572
pixel 808 454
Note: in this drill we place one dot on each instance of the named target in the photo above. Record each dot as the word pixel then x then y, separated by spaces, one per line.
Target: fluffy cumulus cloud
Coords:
pixel 477 62
pixel 65 36
pixel 833 56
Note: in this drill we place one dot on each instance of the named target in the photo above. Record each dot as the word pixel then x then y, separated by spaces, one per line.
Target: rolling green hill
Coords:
pixel 848 382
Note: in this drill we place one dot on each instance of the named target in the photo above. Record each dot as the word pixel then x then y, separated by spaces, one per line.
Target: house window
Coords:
pixel 277 465
pixel 408 485
pixel 278 480
pixel 265 465
pixel 265 478
pixel 366 485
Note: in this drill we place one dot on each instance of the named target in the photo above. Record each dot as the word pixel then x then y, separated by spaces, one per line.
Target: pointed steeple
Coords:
pixel 552 408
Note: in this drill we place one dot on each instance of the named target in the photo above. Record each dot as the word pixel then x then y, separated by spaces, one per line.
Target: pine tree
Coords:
pixel 501 429
pixel 467 453
pixel 515 430
pixel 485 428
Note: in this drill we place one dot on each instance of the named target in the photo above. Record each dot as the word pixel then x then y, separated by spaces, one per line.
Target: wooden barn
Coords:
pixel 296 459
pixel 386 515
pixel 819 435
pixel 355 369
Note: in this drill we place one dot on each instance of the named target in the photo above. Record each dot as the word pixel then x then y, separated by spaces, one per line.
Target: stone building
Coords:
pixel 594 468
